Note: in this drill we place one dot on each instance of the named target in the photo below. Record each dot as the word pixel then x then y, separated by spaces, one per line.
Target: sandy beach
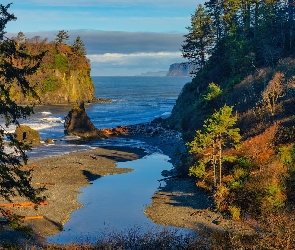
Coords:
pixel 179 203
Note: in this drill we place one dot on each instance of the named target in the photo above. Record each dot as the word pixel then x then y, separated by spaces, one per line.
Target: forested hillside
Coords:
pixel 238 114
pixel 63 76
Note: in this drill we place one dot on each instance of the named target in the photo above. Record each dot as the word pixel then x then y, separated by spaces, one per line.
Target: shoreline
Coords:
pixel 178 203
pixel 63 176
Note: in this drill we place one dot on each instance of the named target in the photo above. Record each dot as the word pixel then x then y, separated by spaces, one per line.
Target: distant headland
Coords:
pixel 175 69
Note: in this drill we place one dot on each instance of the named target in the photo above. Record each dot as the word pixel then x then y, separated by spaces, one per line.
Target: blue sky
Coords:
pixel 122 37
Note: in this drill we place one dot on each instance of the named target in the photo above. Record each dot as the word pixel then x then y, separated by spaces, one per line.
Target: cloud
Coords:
pixel 132 64
pixel 131 42
pixel 132 59
pixel 102 42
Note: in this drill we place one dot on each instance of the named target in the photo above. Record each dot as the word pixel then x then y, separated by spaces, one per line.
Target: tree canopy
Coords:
pixel 240 35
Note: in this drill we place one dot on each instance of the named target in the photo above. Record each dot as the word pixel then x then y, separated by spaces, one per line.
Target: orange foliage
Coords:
pixel 260 148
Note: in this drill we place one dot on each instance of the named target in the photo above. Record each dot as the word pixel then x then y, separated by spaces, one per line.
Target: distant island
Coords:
pixel 157 73
pixel 175 69
pixel 180 69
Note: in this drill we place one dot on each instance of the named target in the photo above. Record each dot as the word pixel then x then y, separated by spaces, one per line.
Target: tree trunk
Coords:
pixel 220 162
pixel 291 23
pixel 214 166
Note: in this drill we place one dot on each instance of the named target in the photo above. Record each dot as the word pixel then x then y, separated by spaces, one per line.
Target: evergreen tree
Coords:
pixel 61 37
pixel 218 133
pixel 215 10
pixel 20 37
pixel 78 47
pixel 200 39
pixel 13 179
pixel 238 34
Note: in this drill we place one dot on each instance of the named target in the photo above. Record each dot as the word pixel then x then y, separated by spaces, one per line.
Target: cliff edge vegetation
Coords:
pixel 64 73
pixel 238 115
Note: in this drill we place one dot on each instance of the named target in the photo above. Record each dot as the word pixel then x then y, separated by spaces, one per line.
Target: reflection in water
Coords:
pixel 116 202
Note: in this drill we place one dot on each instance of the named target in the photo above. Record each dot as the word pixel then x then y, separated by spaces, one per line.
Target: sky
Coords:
pixel 122 37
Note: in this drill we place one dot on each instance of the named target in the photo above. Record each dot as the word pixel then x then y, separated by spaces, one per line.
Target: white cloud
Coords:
pixel 132 64
pixel 127 59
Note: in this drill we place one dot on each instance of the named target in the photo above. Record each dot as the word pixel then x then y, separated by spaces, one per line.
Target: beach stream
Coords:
pixel 116 202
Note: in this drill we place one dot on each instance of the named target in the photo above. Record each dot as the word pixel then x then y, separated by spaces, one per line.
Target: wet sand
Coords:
pixel 63 176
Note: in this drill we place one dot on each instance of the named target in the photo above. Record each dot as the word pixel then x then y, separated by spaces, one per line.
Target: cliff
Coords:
pixel 180 69
pixel 62 78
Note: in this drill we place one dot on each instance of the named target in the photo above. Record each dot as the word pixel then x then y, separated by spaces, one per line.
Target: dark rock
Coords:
pixel 78 123
pixel 27 135
pixel 49 141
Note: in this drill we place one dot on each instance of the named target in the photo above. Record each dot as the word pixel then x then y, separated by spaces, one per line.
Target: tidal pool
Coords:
pixel 116 202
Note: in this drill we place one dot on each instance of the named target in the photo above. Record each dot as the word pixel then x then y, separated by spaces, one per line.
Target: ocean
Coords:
pixel 134 100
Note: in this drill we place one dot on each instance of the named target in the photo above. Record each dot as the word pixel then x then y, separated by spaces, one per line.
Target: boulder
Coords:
pixel 49 141
pixel 78 123
pixel 27 135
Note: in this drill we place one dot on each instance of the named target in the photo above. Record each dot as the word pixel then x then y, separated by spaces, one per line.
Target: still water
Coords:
pixel 116 202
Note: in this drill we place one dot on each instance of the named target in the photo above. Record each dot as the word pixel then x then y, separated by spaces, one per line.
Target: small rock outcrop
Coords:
pixel 27 135
pixel 78 123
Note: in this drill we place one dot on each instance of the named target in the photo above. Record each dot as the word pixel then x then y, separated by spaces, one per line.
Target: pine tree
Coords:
pixel 61 37
pixel 200 39
pixel 78 47
pixel 218 133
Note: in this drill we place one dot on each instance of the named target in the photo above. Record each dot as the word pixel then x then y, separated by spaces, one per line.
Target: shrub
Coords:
pixel 235 212
pixel 50 84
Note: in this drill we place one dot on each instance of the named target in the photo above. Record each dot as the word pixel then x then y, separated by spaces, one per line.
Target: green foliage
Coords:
pixel 287 155
pixel 235 212
pixel 212 92
pixel 61 63
pixel 50 84
pixel 198 170
pixel 274 197
pixel 200 38
pixel 218 133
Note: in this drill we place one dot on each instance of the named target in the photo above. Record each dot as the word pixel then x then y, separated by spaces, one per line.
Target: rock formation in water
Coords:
pixel 78 123
pixel 27 135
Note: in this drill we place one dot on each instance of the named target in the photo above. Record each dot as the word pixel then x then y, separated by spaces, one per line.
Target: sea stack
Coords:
pixel 78 123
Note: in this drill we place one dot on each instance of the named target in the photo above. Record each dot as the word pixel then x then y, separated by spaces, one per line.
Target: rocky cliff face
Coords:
pixel 74 87
pixel 62 78
pixel 180 69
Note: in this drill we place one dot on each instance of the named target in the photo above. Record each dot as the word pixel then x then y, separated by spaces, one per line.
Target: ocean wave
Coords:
pixel 166 114
pixel 53 120
pixel 45 113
